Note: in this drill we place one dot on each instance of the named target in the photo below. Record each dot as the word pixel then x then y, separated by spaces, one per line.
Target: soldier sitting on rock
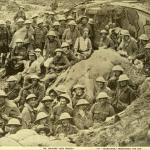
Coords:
pixel 59 63
pixel 82 118
pixel 78 92
pixel 124 95
pixel 65 128
pixel 34 88
pixel 68 52
pixel 102 108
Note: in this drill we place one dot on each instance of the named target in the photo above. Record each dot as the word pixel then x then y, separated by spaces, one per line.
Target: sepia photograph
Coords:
pixel 75 74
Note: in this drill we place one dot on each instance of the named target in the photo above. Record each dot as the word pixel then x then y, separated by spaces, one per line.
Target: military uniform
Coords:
pixel 13 92
pixel 123 97
pixel 82 120
pixel 20 15
pixel 66 130
pixel 58 110
pixel 101 112
pixel 39 37
pixel 28 116
pixel 39 91
pixel 50 47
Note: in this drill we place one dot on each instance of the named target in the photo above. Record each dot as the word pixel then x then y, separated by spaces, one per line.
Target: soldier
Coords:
pixel 51 44
pixel 58 64
pixel 101 86
pixel 102 108
pixel 42 130
pixel 71 34
pixel 29 35
pixel 40 35
pixel 20 14
pixel 28 112
pixel 13 88
pixel 4 42
pixel 34 21
pixel 8 109
pixel 82 118
pixel 47 20
pixel 83 23
pixel 124 95
pixel 128 43
pixel 65 128
pixel 19 24
pixel 31 67
pixel 42 119
pixel 13 126
pixel 62 21
pixel 9 29
pixel 145 57
pixel 20 49
pixel 34 88
pixel 143 40
pixel 56 29
pixel 69 18
pixel 83 45
pixel 105 40
pixel 68 52
pixel 39 56
pixel 78 92
pixel 112 82
pixel 64 99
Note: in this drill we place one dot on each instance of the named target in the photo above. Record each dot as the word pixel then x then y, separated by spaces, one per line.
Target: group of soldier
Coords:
pixel 50 46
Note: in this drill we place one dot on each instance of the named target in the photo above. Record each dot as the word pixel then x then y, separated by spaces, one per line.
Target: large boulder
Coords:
pixel 99 64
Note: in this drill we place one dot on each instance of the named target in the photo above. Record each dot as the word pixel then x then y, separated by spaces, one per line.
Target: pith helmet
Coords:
pixel 117 68
pixel 19 41
pixel 2 93
pixel 30 96
pixel 65 116
pixel 34 76
pixel 66 96
pixel 14 121
pixel 2 22
pixel 144 37
pixel 27 22
pixel 56 24
pixel 147 46
pixel 100 79
pixel 82 102
pixel 47 98
pixel 20 20
pixel 64 44
pixel 125 32
pixel 72 22
pixel 102 95
pixel 123 77
pixel 41 115
pixel 11 79
pixel 51 33
pixel 78 86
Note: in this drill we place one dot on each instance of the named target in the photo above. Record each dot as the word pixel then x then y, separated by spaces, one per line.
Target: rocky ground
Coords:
pixel 129 128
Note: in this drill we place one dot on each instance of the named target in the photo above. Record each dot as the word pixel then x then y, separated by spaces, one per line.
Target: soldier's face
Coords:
pixel 117 73
pixel 42 133
pixel 100 84
pixel 48 103
pixel 126 37
pixel 28 26
pixel 84 21
pixel 2 100
pixel 103 35
pixel 43 121
pixel 65 122
pixel 83 107
pixel 20 24
pixel 63 22
pixel 34 81
pixel 11 84
pixel 63 101
pixel 72 27
pixel 53 95
pixel 79 91
pixel 13 129
pixel 31 57
pixel 38 54
pixel 58 54
pixel 19 44
pixel 32 102
pixel 123 83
